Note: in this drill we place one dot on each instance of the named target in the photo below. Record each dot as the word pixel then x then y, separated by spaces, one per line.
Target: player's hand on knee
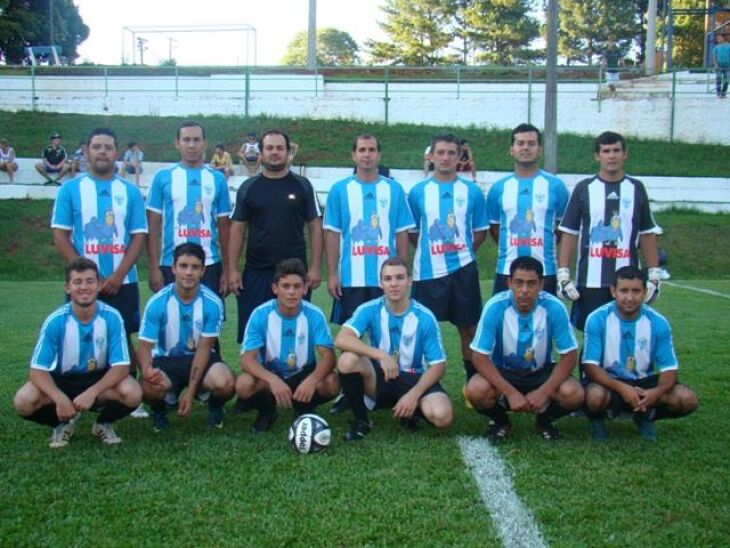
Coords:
pixel 84 401
pixel 518 402
pixel 406 406
pixel 566 288
pixel 282 393
pixel 185 405
pixel 65 410
pixel 390 368
pixel 305 391
pixel 653 284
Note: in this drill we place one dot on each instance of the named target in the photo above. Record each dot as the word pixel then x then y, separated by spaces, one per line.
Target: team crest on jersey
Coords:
pixel 208 190
pixel 529 354
pixel 300 339
pixel 190 344
pixel 540 333
pixel 291 360
pixel 627 202
pixel 383 202
pixel 407 339
pixel 630 363
pixel 643 342
pixel 199 325
pixel 539 197
pixel 118 199
pixel 460 201
pixel 99 341
pixel 91 364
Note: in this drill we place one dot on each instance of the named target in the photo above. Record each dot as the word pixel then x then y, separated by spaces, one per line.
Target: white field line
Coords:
pixel 515 523
pixel 698 289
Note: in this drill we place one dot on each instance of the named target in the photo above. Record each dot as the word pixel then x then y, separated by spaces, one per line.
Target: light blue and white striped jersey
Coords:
pixel 102 216
pixel 523 342
pixel 412 338
pixel 629 349
pixel 286 344
pixel 175 327
pixel 446 216
pixel 66 346
pixel 527 212
pixel 367 216
pixel 190 201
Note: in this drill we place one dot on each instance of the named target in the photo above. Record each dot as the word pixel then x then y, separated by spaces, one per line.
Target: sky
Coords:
pixel 275 21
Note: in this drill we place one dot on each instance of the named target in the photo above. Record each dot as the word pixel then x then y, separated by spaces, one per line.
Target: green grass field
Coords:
pixel 192 487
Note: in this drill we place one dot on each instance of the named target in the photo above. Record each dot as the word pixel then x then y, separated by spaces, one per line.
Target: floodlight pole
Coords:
pixel 312 36
pixel 551 88
pixel 650 60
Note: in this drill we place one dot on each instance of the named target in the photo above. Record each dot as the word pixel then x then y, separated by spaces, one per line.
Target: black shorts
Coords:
pixel 126 301
pixel 256 291
pixel 455 298
pixel 388 393
pixel 528 382
pixel 550 284
pixel 618 405
pixel 589 300
pixel 177 369
pixel 352 297
pixel 74 385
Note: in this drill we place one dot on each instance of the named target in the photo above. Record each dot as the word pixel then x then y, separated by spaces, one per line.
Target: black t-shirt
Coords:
pixel 275 211
pixel 54 156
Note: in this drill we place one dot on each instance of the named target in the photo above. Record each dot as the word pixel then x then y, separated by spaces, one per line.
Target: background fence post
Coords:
pixel 386 99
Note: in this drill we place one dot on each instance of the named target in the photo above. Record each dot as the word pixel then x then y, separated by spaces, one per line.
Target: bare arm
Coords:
pixel 478 239
pixel 279 389
pixel 401 245
pixel 62 241
pixel 348 341
pixel 224 229
pixel 568 243
pixel 332 252
pixel 113 376
pixel 413 238
pixel 494 232
pixel 648 244
pixel 316 244
pixel 236 237
pixel 154 222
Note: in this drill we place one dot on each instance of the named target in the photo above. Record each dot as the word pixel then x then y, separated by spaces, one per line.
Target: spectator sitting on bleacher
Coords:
pixel 250 155
pixel 53 167
pixel 466 160
pixel 132 161
pixel 7 159
pixel 222 161
pixel 79 161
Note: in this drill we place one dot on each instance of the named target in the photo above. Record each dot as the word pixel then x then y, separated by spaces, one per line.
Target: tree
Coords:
pixel 587 25
pixel 334 47
pixel 500 29
pixel 419 32
pixel 25 23
pixel 689 34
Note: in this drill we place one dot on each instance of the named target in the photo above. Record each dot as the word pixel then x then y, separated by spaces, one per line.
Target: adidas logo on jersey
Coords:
pixel 612 196
pixel 289 333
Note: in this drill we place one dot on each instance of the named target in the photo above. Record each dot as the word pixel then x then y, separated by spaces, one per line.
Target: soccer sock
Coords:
pixel 311 407
pixel 354 389
pixel 594 414
pixel 663 412
pixel 44 415
pixel 215 402
pixel 263 402
pixel 158 405
pixel 469 368
pixel 554 412
pixel 497 413
pixel 113 411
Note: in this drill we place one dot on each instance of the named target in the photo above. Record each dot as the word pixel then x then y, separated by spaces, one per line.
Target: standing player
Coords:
pixel 183 322
pixel 287 357
pixel 513 356
pixel 269 216
pixel 188 202
pixel 403 363
pixel 80 363
pixel 607 218
pixel 100 216
pixel 524 209
pixel 629 358
pixel 451 224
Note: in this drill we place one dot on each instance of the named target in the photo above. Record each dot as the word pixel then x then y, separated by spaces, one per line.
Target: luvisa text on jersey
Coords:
pixel 440 249
pixel 105 249
pixel 610 253
pixel 526 242
pixel 193 232
pixel 370 250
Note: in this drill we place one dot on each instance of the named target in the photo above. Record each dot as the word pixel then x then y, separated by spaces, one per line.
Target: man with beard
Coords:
pixel 269 215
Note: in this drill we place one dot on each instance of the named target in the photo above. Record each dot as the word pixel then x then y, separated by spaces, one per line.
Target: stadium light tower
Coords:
pixel 551 88
pixel 312 35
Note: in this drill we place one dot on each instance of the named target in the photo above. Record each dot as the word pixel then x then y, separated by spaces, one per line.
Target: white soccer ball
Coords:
pixel 309 434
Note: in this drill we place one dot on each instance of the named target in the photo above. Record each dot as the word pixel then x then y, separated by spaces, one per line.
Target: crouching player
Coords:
pixel 404 362
pixel 80 363
pixel 278 359
pixel 512 356
pixel 630 362
pixel 183 322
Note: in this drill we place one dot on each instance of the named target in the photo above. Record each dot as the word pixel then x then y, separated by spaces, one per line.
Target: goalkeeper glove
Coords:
pixel 566 287
pixel 653 284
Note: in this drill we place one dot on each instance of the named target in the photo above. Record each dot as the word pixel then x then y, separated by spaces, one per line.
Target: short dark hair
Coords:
pixel 609 138
pixel 190 123
pixel 629 273
pixel 103 131
pixel 274 132
pixel 530 264
pixel 220 146
pixel 189 248
pixel 79 264
pixel 130 144
pixel 396 261
pixel 289 267
pixel 527 128
pixel 365 136
pixel 445 138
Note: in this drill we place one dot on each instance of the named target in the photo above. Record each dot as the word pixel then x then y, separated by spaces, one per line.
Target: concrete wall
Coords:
pixel 642 107
pixel 705 194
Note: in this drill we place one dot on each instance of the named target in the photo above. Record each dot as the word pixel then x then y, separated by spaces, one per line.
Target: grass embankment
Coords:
pixel 328 142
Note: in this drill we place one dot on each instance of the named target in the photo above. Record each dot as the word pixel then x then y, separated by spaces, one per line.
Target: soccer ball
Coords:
pixel 309 434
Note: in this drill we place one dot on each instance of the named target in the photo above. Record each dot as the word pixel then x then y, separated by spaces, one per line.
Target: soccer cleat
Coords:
pixel 159 420
pixel 647 430
pixel 547 430
pixel 409 424
pixel 498 432
pixel 215 416
pixel 264 422
pixel 139 413
pixel 340 405
pixel 105 432
pixel 241 406
pixel 598 430
pixel 358 430
pixel 62 433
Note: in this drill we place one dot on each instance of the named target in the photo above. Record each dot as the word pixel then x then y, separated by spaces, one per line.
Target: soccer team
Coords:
pixel 519 351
